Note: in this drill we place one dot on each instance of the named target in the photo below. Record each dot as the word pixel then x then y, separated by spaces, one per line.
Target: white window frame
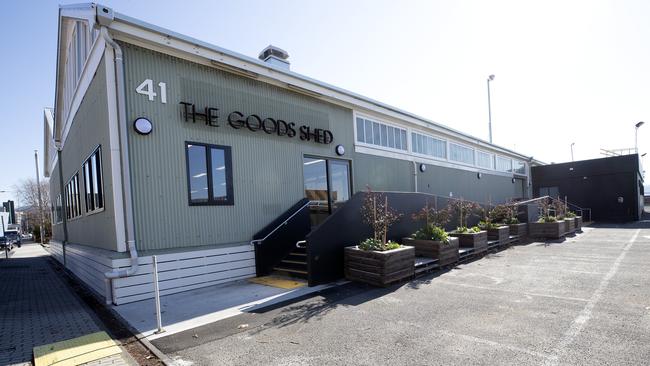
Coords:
pixel 411 155
pixel 496 166
pixel 419 132
pixel 87 212
pixel 461 145
pixel 380 121
pixel 492 158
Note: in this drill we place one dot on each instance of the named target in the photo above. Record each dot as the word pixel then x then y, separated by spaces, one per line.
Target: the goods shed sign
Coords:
pixel 272 126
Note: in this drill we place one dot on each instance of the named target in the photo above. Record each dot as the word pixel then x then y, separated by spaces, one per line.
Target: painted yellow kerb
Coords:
pixel 277 282
pixel 76 351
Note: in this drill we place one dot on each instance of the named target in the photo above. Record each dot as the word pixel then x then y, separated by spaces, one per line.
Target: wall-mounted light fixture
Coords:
pixel 143 126
pixel 423 168
pixel 340 150
pixel 479 175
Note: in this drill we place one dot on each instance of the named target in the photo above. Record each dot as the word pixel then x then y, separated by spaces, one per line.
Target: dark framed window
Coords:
pixel 58 210
pixel 72 199
pixel 209 174
pixel 93 183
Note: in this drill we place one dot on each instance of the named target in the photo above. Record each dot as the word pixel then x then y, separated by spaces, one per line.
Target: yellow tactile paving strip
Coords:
pixel 76 351
pixel 277 282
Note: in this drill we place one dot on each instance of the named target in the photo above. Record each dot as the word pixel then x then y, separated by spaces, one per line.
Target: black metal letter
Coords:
pixel 253 127
pixel 235 120
pixel 185 111
pixel 269 129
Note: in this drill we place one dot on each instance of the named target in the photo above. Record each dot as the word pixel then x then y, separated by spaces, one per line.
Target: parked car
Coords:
pixel 14 237
pixel 5 243
pixel 27 236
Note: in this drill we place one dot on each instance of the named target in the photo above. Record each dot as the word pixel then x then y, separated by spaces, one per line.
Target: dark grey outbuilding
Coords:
pixel 611 187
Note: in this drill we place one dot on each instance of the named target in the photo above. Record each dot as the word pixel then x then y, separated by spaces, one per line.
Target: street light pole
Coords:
pixel 636 133
pixel 40 200
pixel 490 78
pixel 573 143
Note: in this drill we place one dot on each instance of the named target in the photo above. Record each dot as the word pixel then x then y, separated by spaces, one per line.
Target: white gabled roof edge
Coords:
pixel 251 61
pixel 48 141
pixel 67 14
pixel 171 40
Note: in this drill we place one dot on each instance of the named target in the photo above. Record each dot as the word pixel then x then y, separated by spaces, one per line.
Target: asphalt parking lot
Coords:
pixel 584 301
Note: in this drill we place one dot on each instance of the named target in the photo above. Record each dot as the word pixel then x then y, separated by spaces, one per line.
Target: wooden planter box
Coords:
pixel 578 220
pixel 379 268
pixel 502 234
pixel 446 254
pixel 570 225
pixel 546 230
pixel 477 241
pixel 520 230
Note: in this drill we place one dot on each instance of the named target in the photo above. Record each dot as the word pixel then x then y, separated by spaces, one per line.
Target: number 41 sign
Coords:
pixel 146 88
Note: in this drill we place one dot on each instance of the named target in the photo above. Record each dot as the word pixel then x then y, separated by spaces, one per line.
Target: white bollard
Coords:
pixel 157 295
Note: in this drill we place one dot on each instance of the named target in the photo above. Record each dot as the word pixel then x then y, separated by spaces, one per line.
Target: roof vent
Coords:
pixel 275 56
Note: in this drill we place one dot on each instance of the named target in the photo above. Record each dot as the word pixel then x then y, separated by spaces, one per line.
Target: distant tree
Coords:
pixel 27 191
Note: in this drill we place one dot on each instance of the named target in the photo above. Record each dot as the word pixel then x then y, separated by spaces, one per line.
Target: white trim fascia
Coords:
pixel 48 142
pixel 87 75
pixel 396 153
pixel 114 149
pixel 156 38
pixel 68 15
pixel 430 161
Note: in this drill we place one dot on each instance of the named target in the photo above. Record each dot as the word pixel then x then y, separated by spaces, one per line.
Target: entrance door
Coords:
pixel 327 186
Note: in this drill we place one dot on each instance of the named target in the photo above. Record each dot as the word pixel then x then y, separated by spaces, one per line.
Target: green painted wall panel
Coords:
pixel 388 174
pixel 89 129
pixel 382 174
pixel 267 169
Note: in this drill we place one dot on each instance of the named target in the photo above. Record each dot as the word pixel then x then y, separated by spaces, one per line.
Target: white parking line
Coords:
pixel 495 344
pixel 581 320
pixel 455 284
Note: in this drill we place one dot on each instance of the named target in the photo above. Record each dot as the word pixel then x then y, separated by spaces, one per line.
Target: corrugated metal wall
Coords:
pixel 267 169
pixel 89 129
pixel 385 174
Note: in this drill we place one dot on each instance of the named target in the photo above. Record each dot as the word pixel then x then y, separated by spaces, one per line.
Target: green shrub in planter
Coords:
pixel 547 219
pixel 377 245
pixel 431 232
pixel 511 221
pixel 466 230
pixel 485 225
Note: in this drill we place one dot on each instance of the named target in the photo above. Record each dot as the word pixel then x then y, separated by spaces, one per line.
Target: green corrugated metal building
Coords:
pixel 162 144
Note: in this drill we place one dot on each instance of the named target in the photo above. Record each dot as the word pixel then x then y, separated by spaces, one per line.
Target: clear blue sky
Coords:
pixel 566 71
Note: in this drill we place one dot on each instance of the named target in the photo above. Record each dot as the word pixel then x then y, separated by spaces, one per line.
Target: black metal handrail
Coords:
pixel 257 241
pixel 278 238
pixel 574 207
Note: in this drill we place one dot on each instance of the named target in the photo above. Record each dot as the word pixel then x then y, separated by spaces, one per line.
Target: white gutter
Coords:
pixel 125 173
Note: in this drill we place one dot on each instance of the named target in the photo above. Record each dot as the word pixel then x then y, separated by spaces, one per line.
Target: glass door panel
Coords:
pixel 315 176
pixel 339 174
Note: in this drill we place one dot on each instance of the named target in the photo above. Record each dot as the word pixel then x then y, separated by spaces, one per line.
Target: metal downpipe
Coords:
pixel 125 173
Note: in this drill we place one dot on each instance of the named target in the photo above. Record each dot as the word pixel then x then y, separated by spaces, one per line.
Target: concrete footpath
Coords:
pixel 583 301
pixel 37 307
